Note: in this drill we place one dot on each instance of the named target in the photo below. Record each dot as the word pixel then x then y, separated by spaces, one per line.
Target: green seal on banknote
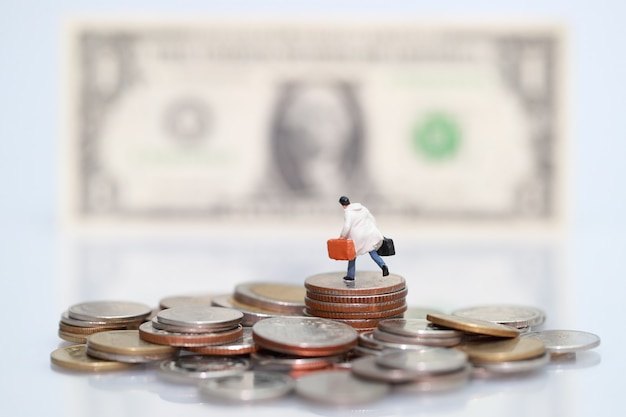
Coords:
pixel 437 137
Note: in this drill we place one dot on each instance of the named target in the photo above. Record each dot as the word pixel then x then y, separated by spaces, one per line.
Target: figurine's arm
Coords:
pixel 347 225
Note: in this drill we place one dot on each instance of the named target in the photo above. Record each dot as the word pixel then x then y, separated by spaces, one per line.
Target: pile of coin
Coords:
pixel 261 300
pixel 193 326
pixel 350 345
pixel 83 319
pixel 361 303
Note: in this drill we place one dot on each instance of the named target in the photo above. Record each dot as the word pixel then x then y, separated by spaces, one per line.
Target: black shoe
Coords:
pixel 385 271
pixel 347 278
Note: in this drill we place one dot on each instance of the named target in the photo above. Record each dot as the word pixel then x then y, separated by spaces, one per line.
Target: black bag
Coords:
pixel 387 248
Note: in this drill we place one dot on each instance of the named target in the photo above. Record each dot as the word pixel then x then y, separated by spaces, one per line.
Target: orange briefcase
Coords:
pixel 341 249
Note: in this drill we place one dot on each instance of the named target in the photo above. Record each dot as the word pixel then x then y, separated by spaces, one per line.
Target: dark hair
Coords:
pixel 344 201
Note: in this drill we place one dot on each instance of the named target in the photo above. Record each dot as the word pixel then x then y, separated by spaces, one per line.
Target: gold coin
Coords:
pixel 76 330
pixel 126 342
pixel 72 337
pixel 471 325
pixel 75 357
pixel 284 298
pixel 519 348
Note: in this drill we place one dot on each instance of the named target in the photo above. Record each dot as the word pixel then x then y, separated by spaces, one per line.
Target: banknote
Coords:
pixel 221 120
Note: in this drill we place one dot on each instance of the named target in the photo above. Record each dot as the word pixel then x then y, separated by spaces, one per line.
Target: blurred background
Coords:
pixel 155 149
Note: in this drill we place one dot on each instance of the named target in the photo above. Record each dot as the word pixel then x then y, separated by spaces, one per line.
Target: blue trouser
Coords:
pixel 375 256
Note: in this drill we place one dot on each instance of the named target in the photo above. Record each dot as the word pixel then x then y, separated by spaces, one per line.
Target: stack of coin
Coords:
pixel 368 345
pixel 426 369
pixel 84 319
pixel 521 317
pixel 495 349
pixel 261 300
pixel 406 334
pixel 361 303
pixel 193 326
pixel 304 336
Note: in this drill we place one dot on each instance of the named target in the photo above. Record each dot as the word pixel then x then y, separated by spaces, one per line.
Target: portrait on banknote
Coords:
pixel 213 121
pixel 317 138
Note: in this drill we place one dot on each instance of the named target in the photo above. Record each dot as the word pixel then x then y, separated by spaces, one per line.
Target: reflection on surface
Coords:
pixel 445 276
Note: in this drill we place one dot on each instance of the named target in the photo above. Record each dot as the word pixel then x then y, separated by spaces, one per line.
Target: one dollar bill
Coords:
pixel 214 121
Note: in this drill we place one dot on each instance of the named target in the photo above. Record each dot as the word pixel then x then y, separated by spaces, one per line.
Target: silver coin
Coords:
pixel 200 316
pixel 339 387
pixel 510 315
pixel 305 333
pixel 109 311
pixel 366 351
pixel 186 300
pixel 191 368
pixel 191 329
pixel 244 345
pixel 414 312
pixel 382 336
pixel 565 341
pixel 426 361
pixel 251 314
pixel 417 328
pixel 366 367
pixel 366 339
pixel 437 382
pixel 247 386
pixel 483 369
pixel 66 319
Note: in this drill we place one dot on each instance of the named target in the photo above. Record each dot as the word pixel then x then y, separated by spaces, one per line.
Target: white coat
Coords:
pixel 360 226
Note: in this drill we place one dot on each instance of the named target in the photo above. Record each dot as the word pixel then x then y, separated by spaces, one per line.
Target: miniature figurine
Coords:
pixel 359 225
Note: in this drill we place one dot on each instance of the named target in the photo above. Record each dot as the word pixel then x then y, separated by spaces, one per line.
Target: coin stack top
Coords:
pixel 304 336
pixel 193 326
pixel 365 283
pixel 84 319
pixel 361 303
pixel 261 300
pixel 271 296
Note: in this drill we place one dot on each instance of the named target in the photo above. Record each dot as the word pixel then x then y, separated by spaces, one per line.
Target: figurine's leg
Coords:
pixel 351 270
pixel 379 261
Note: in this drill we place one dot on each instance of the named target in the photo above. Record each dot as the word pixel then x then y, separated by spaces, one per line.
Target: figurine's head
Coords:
pixel 344 201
